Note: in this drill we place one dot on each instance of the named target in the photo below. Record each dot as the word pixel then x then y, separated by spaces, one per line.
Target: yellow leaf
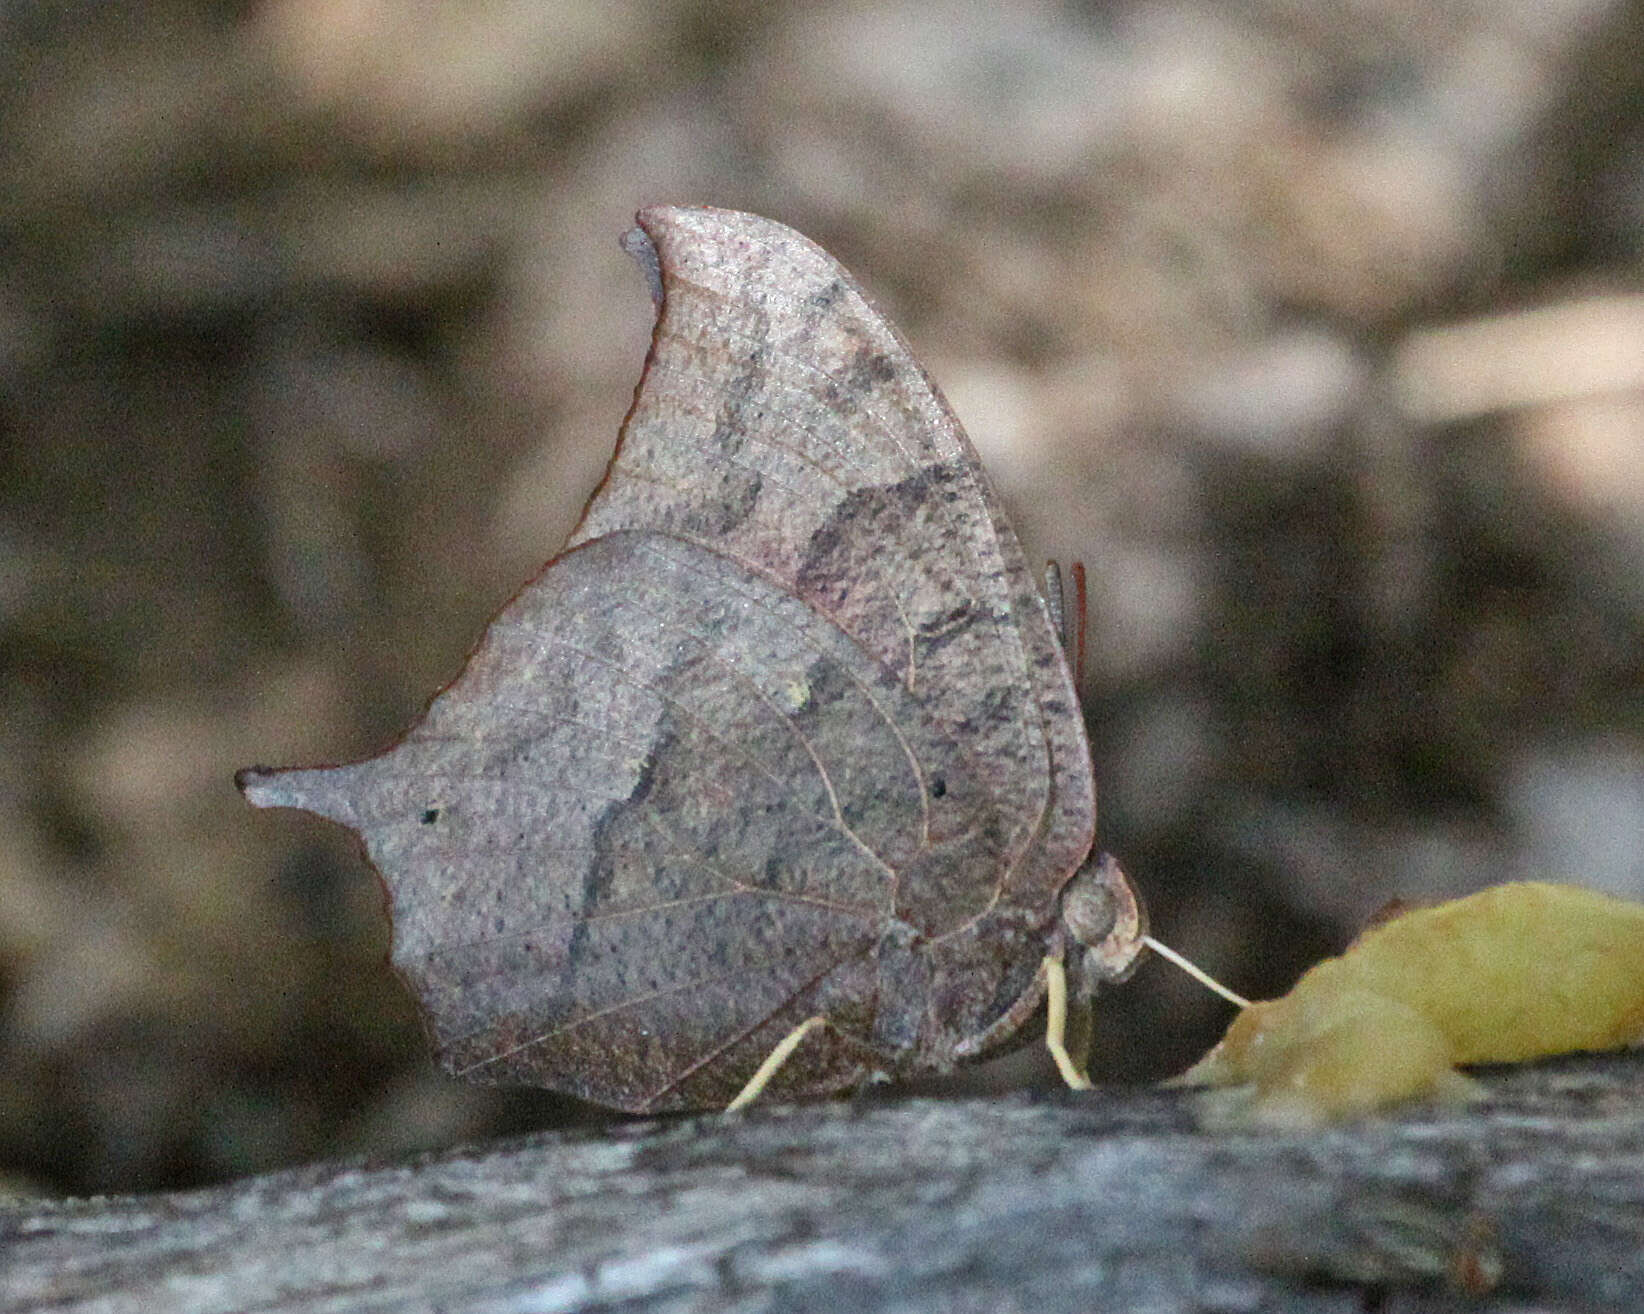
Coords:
pixel 1514 972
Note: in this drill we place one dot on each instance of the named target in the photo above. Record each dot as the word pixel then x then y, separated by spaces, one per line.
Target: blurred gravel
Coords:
pixel 1315 333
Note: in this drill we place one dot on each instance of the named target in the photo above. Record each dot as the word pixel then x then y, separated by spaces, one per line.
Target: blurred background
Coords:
pixel 1317 332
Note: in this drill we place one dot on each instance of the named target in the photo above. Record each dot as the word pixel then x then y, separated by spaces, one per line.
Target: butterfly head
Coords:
pixel 1104 925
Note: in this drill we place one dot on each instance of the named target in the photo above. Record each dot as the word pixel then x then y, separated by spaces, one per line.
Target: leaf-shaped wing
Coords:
pixel 786 732
pixel 660 819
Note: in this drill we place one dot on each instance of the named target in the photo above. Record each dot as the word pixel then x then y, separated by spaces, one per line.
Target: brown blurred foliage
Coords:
pixel 314 336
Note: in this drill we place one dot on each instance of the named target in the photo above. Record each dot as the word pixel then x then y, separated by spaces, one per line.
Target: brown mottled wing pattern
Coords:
pixel 784 732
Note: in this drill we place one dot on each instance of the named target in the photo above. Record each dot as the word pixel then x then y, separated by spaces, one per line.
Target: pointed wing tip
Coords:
pixel 663 221
pixel 654 222
pixel 304 788
pixel 664 213
pixel 256 783
pixel 649 221
pixel 650 214
pixel 657 224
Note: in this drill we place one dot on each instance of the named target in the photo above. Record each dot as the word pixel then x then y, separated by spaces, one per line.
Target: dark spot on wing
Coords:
pixel 871 368
pixel 825 298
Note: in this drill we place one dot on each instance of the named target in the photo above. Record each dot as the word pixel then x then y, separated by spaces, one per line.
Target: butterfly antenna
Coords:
pixel 1067 614
pixel 1078 620
pixel 1054 601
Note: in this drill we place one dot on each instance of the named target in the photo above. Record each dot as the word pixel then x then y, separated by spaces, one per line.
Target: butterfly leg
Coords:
pixel 1056 1023
pixel 773 1063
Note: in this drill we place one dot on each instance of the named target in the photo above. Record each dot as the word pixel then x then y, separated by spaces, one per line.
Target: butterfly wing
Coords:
pixel 785 732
